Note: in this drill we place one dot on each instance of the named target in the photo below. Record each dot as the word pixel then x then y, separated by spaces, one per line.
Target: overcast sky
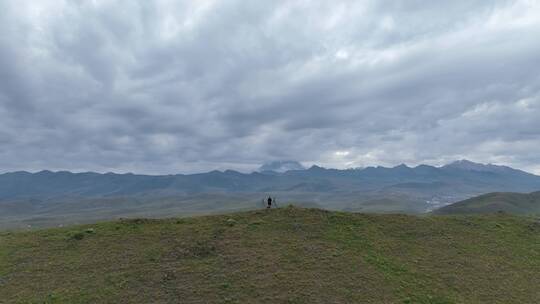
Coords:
pixel 187 86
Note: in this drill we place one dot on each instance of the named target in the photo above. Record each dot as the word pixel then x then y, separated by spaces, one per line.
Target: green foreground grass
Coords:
pixel 287 255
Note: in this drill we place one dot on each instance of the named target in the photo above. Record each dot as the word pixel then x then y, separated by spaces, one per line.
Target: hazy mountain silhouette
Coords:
pixel 460 178
pixel 281 166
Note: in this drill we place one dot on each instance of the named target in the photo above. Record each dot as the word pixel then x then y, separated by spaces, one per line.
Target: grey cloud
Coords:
pixel 166 87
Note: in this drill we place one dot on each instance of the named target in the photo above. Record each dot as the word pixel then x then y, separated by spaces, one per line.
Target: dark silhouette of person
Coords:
pixel 269 200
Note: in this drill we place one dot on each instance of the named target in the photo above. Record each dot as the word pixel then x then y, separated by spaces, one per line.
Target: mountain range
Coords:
pixel 48 198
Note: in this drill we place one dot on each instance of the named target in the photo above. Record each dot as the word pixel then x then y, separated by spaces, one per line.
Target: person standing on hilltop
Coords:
pixel 269 200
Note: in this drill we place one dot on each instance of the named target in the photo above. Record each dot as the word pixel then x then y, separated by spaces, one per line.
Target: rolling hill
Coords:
pixel 285 255
pixel 514 203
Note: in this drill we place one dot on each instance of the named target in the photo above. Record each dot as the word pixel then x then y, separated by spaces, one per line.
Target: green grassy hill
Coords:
pixel 514 203
pixel 287 255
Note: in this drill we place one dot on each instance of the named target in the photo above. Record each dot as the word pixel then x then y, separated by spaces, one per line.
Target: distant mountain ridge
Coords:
pixel 469 165
pixel 400 189
pixel 462 176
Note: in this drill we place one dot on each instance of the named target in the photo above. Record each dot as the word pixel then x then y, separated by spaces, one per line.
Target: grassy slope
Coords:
pixel 287 255
pixel 514 203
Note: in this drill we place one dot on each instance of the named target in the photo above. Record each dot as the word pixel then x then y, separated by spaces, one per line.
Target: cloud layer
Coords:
pixel 185 86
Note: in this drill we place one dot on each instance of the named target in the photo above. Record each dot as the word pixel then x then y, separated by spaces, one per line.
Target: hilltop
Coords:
pixel 287 255
pixel 514 203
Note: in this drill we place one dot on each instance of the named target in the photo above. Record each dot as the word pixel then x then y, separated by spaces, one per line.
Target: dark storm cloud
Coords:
pixel 183 86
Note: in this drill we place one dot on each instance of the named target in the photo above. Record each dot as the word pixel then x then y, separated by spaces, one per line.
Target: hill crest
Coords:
pixel 286 255
pixel 508 202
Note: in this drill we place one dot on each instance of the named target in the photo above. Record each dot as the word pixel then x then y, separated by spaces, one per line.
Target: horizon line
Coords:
pixel 259 171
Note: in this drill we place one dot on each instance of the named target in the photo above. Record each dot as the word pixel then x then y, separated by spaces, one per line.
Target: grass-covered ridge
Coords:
pixel 287 255
pixel 509 202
